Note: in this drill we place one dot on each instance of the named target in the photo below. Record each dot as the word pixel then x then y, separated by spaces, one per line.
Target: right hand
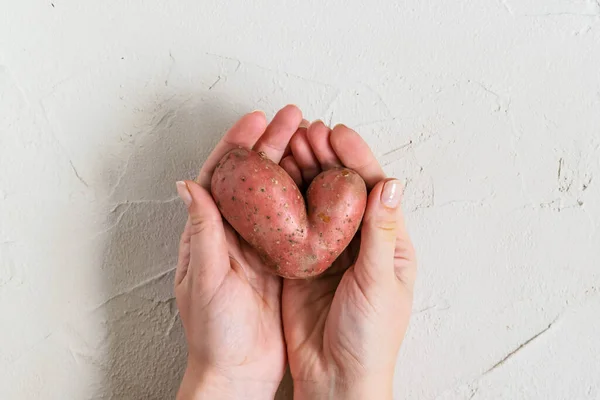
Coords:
pixel 344 328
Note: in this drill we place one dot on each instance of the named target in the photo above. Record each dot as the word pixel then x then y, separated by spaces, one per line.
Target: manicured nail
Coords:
pixel 184 193
pixel 391 193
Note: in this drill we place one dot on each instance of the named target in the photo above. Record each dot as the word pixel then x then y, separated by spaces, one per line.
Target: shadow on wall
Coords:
pixel 146 344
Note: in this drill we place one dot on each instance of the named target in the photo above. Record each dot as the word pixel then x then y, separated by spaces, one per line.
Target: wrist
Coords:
pixel 337 388
pixel 206 383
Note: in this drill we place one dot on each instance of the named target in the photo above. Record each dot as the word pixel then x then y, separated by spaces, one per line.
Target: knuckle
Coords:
pixel 371 263
pixel 387 226
pixel 405 250
pixel 199 225
pixel 184 238
pixel 383 218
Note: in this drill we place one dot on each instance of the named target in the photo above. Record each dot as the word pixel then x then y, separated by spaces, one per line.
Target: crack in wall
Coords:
pixel 473 393
pixel 79 177
pixel 61 147
pixel 432 307
pixel 139 285
pixel 506 4
pixel 518 349
pixel 172 323
pixel 507 7
pixel 127 205
pixel 212 86
pixel 564 13
pixel 117 222
pixel 143 201
pixel 402 147
pixel 170 68
pixel 273 70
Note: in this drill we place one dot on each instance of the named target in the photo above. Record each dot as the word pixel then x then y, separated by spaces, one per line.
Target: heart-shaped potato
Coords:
pixel 264 205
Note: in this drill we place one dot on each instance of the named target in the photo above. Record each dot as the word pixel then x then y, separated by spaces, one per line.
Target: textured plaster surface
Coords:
pixel 488 110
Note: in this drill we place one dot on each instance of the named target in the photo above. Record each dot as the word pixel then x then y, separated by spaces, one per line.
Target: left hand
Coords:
pixel 228 301
pixel 344 328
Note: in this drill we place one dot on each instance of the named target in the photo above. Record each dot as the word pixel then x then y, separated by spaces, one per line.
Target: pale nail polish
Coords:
pixel 391 193
pixel 184 193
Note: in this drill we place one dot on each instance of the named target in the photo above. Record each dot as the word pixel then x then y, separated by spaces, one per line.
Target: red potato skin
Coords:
pixel 264 205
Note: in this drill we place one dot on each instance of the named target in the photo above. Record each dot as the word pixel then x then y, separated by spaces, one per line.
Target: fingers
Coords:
pixel 277 135
pixel 318 138
pixel 293 170
pixel 203 243
pixel 383 226
pixel 304 156
pixel 183 259
pixel 405 257
pixel 355 154
pixel 245 133
pixel 288 151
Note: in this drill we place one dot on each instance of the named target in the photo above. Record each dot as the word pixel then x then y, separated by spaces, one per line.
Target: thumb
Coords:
pixel 208 253
pixel 381 226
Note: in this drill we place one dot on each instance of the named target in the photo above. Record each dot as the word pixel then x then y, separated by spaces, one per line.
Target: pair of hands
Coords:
pixel 340 332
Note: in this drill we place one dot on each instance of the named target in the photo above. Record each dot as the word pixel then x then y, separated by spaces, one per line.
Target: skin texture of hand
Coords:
pixel 344 328
pixel 229 304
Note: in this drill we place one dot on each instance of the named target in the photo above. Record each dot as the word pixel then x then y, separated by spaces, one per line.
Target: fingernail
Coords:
pixel 391 193
pixel 304 124
pixel 259 111
pixel 184 193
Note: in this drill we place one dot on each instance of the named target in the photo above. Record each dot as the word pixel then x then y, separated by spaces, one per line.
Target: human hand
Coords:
pixel 344 328
pixel 228 301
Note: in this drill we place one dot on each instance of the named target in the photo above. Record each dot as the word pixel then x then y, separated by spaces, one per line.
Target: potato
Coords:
pixel 264 205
